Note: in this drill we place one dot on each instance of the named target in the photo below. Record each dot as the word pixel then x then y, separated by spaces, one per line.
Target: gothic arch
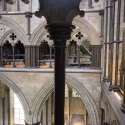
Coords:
pixel 15 28
pixel 17 91
pixel 85 27
pixel 85 96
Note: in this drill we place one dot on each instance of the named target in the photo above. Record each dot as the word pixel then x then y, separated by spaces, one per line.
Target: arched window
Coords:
pixel 18 111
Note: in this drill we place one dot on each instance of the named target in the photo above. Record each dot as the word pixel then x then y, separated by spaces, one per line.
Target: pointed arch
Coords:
pixel 85 27
pixel 85 96
pixel 17 91
pixel 16 29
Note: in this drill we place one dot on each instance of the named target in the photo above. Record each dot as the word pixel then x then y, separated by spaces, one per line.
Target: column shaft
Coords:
pixel 106 28
pixel 37 56
pixel 3 110
pixel 52 108
pixel 50 64
pixel 124 13
pixel 59 81
pixel 117 40
pixel 18 5
pixel 1 56
pixel 89 3
pixel 13 56
pixel 46 112
pixel 4 5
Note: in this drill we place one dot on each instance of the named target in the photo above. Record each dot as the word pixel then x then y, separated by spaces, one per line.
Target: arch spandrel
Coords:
pixel 17 91
pixel 84 26
pixel 15 28
pixel 85 96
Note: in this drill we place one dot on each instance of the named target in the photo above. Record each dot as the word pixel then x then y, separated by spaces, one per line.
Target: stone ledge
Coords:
pixel 114 102
pixel 49 70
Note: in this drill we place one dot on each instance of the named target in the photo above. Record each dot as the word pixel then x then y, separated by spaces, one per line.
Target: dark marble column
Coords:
pixel 52 108
pixel 13 46
pixel 102 116
pixel 27 56
pixel 110 47
pixel 28 16
pixel 59 33
pixel 46 112
pixel 4 5
pixel 78 55
pixel 41 118
pixel 101 13
pixel 8 104
pixel 1 56
pixel 3 110
pixel 50 64
pixel 18 5
pixel 106 29
pixel 124 13
pixel 96 56
pixel 90 4
pixel 37 56
pixel 117 40
pixel 69 103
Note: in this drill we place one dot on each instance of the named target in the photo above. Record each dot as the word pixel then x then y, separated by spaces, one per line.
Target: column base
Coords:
pixel 105 79
pixel 123 108
pixel 113 88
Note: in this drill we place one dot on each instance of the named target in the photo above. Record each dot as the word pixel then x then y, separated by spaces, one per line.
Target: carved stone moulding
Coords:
pixel 59 11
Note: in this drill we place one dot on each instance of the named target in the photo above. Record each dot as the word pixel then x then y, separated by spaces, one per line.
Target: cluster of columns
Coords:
pixel 5 103
pixel 31 56
pixel 111 46
pixel 4 5
pixel 96 56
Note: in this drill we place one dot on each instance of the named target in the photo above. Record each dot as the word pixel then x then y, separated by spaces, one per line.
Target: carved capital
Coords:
pixel 25 1
pixel 59 11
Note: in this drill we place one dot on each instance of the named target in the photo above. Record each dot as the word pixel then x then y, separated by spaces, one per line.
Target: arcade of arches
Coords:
pixel 95 66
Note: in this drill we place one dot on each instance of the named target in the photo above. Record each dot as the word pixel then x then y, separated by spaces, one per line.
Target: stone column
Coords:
pixel 90 4
pixel 52 108
pixel 8 104
pixel 59 46
pixel 50 43
pixel 102 116
pixel 78 55
pixel 1 56
pixel 27 57
pixel 28 16
pixel 117 40
pixel 4 5
pixel 105 37
pixel 18 5
pixel 124 13
pixel 59 29
pixel 86 117
pixel 79 43
pixel 47 112
pixel 37 56
pixel 96 56
pixel 69 104
pixel 13 47
pixel 41 118
pixel 101 13
pixel 3 110
pixel 110 47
